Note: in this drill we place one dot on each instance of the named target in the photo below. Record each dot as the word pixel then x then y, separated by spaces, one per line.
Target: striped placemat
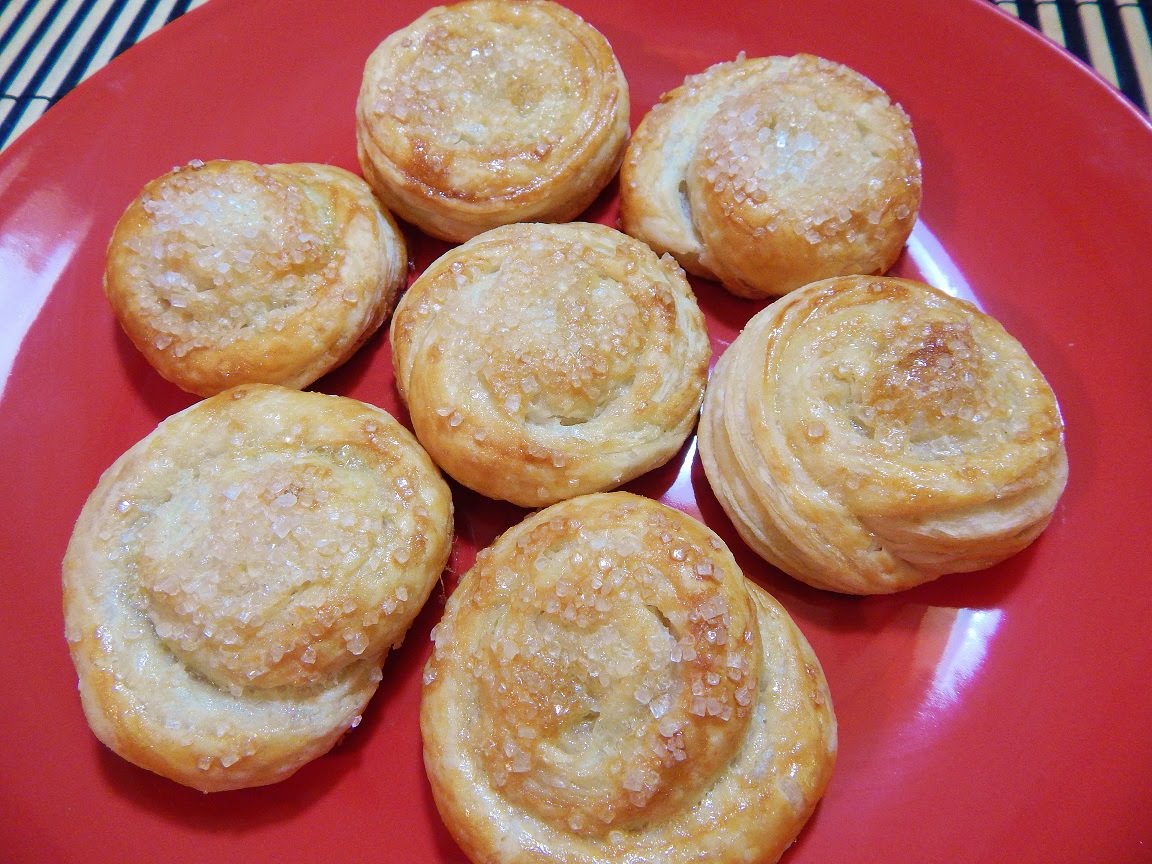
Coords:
pixel 47 47
pixel 1111 35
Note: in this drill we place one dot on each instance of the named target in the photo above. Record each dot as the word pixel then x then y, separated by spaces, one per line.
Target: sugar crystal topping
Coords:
pixel 266 572
pixel 227 252
pixel 556 356
pixel 502 93
pixel 606 666
pixel 912 378
pixel 809 147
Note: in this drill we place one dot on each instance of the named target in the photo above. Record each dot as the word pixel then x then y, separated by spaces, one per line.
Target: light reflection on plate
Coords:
pixel 935 265
pixel 969 632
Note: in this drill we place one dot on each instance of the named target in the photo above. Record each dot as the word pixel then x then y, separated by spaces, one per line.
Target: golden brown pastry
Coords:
pixel 607 686
pixel 540 362
pixel 491 111
pixel 768 173
pixel 867 434
pixel 236 579
pixel 225 273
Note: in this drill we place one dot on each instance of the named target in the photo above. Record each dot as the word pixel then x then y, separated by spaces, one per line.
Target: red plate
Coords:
pixel 1000 716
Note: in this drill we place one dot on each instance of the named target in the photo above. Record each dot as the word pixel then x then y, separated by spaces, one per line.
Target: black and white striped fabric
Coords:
pixel 1110 35
pixel 47 47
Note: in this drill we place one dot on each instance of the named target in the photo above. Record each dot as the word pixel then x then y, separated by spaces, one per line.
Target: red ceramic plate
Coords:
pixel 1000 716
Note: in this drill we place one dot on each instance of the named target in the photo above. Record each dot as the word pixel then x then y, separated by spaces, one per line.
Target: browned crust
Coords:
pixel 228 272
pixel 539 362
pixel 768 173
pixel 674 714
pixel 235 580
pixel 868 434
pixel 489 112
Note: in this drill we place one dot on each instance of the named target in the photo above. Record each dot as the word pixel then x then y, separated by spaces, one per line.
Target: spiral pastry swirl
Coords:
pixel 487 112
pixel 868 434
pixel 236 578
pixel 767 173
pixel 607 686
pixel 227 272
pixel 540 362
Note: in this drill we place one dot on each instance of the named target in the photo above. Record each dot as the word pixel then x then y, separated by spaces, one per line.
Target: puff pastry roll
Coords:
pixel 489 112
pixel 607 686
pixel 227 272
pixel 236 578
pixel 768 173
pixel 867 434
pixel 540 362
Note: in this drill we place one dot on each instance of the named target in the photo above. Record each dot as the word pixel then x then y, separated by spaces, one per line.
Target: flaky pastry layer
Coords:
pixel 236 578
pixel 607 686
pixel 771 172
pixel 539 362
pixel 488 112
pixel 868 434
pixel 228 272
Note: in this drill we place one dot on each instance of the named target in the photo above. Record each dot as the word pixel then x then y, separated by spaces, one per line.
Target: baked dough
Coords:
pixel 226 272
pixel 489 112
pixel 868 434
pixel 235 580
pixel 540 362
pixel 768 173
pixel 607 686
